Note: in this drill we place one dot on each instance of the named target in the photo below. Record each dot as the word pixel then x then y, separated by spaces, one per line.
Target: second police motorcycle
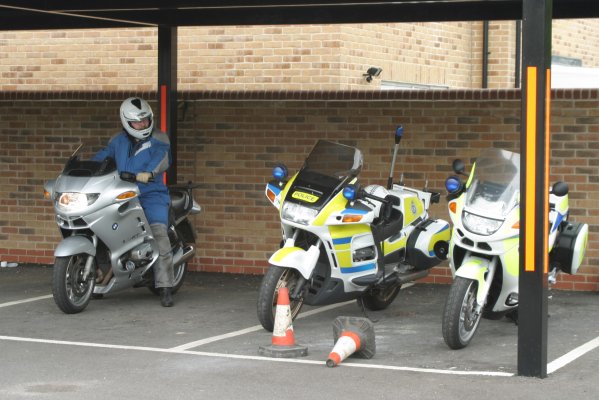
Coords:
pixel 484 247
pixel 343 242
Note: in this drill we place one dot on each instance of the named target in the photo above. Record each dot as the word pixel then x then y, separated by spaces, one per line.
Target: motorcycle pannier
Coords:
pixel 569 248
pixel 427 245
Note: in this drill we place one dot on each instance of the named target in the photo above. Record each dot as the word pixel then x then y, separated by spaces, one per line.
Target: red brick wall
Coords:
pixel 228 142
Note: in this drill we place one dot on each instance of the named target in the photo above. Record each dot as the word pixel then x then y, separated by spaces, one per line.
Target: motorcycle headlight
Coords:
pixel 480 225
pixel 70 201
pixel 297 213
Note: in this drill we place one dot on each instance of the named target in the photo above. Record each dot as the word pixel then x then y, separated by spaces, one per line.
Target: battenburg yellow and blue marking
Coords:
pixel 443 234
pixel 342 236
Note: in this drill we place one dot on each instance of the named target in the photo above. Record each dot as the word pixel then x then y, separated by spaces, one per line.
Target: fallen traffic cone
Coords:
pixel 283 338
pixel 352 335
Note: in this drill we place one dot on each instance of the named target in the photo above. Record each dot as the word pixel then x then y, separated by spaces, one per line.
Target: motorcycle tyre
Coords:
pixel 461 295
pixel 179 272
pixel 275 278
pixel 379 299
pixel 64 296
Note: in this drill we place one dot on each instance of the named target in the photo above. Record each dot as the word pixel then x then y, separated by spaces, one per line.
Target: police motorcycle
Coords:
pixel 343 242
pixel 483 251
pixel 107 242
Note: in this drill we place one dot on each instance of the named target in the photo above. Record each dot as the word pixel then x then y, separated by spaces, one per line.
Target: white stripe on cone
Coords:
pixel 282 321
pixel 344 347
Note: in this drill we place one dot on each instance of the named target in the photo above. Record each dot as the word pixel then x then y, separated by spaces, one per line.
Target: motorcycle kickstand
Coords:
pixel 363 307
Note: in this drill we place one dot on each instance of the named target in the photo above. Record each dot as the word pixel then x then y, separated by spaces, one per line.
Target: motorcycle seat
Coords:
pixel 390 221
pixel 181 202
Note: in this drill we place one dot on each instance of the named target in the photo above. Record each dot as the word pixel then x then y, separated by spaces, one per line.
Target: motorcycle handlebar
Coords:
pixel 373 197
pixel 189 186
pixel 127 176
pixel 131 177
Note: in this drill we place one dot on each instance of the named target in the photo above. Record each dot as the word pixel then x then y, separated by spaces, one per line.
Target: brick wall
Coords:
pixel 577 39
pixel 228 142
pixel 306 57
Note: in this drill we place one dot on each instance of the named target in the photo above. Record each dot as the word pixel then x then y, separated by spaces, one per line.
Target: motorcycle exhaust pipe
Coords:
pixel 411 277
pixel 183 255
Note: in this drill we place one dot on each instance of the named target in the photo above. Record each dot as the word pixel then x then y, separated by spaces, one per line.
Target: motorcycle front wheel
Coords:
pixel 70 290
pixel 460 318
pixel 275 278
pixel 379 298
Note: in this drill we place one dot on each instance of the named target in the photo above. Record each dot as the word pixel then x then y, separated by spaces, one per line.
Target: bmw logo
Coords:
pixel 115 226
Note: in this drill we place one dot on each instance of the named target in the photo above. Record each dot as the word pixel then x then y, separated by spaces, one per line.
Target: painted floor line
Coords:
pixel 251 329
pixel 572 355
pixel 17 302
pixel 212 339
pixel 254 358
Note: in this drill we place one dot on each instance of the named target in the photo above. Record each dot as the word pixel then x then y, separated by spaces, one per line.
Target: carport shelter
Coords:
pixel 534 142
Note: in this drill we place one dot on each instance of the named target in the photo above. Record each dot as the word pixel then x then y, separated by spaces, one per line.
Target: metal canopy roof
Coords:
pixel 71 14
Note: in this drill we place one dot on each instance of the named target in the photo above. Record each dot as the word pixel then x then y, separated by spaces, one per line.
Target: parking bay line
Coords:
pixel 255 358
pixel 17 302
pixel 572 355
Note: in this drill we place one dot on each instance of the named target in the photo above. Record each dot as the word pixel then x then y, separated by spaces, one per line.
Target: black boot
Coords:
pixel 166 298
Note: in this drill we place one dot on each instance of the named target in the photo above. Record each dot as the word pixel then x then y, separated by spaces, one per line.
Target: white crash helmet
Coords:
pixel 135 109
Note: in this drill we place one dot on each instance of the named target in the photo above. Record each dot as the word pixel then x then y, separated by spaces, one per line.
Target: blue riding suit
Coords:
pixel 149 155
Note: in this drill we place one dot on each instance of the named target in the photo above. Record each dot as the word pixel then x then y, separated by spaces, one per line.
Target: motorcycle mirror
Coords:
pixel 350 192
pixel 458 167
pixel 560 189
pixel 279 172
pixel 453 184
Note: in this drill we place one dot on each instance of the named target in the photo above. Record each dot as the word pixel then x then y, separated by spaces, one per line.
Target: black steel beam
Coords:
pixel 328 14
pixel 534 185
pixel 13 20
pixel 40 14
pixel 167 91
pixel 96 5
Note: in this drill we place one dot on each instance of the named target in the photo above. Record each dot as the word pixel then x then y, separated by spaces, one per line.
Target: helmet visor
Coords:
pixel 142 124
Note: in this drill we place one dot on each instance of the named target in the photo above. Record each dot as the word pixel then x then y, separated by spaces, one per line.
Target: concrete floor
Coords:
pixel 127 346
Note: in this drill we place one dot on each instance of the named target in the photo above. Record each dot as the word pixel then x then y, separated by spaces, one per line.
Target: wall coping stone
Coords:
pixel 301 95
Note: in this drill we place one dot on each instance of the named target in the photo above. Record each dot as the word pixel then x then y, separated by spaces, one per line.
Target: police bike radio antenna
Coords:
pixel 398 135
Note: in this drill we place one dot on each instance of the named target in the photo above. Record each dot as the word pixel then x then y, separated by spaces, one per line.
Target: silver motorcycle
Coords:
pixel 107 241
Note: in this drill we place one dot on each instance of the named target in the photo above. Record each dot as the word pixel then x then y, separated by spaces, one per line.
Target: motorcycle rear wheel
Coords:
pixel 70 291
pixel 380 298
pixel 459 317
pixel 275 278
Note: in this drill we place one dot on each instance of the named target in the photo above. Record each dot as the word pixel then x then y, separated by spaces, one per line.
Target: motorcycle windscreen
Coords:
pixel 333 160
pixel 495 187
pixel 85 168
pixel 327 168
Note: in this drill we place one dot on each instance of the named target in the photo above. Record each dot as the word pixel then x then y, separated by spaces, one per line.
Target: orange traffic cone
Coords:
pixel 352 335
pixel 283 338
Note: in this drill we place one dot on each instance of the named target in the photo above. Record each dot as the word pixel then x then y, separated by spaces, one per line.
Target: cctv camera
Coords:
pixel 374 71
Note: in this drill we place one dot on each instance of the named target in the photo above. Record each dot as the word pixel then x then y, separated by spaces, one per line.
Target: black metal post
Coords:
pixel 167 91
pixel 534 186
pixel 485 83
pixel 517 75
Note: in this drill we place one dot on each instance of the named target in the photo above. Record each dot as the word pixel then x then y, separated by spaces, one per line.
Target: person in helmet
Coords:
pixel 145 151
